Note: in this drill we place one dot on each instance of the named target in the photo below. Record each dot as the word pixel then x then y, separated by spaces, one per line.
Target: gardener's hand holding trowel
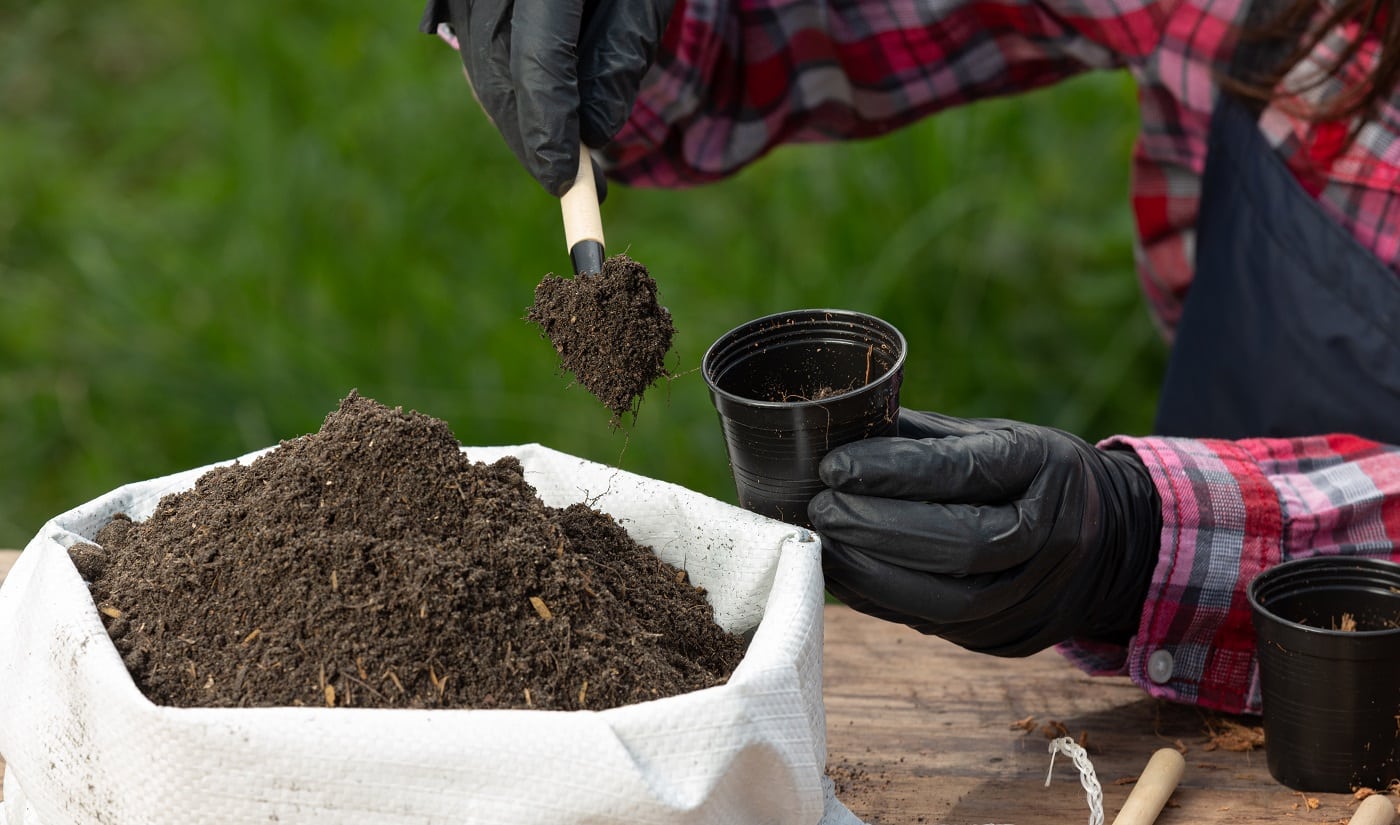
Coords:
pixel 552 73
pixel 555 77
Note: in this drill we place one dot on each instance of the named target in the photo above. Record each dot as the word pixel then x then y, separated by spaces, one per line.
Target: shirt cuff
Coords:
pixel 1221 526
pixel 654 147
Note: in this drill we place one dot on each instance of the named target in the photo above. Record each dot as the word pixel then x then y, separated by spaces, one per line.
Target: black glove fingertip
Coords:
pixel 552 178
pixel 836 468
pixel 554 181
pixel 554 163
pixel 820 509
pixel 596 125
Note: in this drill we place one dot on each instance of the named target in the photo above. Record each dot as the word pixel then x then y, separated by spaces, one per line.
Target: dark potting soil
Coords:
pixel 374 564
pixel 608 329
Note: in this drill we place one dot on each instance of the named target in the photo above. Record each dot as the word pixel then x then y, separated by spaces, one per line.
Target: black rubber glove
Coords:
pixel 1000 536
pixel 552 72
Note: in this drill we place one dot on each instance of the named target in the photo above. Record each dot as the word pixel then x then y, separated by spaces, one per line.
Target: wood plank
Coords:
pixel 921 731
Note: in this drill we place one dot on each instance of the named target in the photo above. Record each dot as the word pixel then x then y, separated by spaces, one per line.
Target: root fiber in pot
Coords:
pixel 608 329
pixel 374 564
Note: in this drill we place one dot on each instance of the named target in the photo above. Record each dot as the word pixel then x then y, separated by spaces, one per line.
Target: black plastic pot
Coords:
pixel 789 387
pixel 1331 694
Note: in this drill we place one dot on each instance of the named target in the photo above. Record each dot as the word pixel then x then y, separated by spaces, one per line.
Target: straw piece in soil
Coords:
pixel 1230 735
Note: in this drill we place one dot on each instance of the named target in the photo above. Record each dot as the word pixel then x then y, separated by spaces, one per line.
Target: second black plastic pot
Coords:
pixel 790 387
pixel 1328 631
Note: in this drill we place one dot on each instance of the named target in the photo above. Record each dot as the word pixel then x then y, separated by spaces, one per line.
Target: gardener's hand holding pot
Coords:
pixel 1003 537
pixel 552 72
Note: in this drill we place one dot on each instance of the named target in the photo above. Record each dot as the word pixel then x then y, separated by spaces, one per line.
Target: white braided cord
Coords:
pixel 1087 777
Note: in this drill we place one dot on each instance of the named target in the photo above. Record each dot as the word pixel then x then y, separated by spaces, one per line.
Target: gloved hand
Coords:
pixel 552 72
pixel 1000 536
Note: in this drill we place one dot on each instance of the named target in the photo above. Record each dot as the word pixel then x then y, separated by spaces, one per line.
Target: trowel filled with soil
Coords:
pixel 605 323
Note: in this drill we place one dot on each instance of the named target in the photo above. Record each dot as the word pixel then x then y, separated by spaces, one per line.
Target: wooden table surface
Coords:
pixel 923 732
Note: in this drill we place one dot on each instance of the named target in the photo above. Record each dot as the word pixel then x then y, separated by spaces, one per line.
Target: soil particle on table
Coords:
pixel 1230 735
pixel 608 329
pixel 374 564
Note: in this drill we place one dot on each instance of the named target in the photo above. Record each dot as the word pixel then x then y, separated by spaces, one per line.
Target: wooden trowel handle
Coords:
pixel 1374 810
pixel 1153 788
pixel 583 224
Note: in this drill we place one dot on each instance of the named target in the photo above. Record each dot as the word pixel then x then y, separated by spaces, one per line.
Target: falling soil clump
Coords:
pixel 374 564
pixel 608 329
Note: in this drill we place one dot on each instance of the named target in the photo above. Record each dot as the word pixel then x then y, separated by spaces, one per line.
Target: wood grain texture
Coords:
pixel 922 731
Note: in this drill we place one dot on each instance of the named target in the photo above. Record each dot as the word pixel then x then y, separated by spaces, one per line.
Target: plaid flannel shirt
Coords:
pixel 1230 509
pixel 735 78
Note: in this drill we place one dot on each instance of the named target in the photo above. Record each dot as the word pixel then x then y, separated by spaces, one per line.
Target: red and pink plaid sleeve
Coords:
pixel 735 78
pixel 1230 509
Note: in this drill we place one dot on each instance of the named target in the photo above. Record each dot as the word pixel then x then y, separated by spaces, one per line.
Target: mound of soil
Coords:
pixel 374 564
pixel 608 329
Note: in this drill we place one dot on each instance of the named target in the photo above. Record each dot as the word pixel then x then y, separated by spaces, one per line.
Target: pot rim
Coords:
pixel 706 362
pixel 1279 577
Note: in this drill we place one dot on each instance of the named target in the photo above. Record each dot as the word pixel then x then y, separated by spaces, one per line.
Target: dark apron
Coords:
pixel 1291 327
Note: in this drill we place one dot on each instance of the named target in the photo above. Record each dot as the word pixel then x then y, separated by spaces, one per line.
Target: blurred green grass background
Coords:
pixel 217 219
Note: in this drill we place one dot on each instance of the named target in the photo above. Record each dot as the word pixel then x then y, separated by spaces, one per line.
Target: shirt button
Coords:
pixel 1159 666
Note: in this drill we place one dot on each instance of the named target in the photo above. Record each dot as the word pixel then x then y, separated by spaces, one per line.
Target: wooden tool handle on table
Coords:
pixel 1374 810
pixel 1153 788
pixel 583 223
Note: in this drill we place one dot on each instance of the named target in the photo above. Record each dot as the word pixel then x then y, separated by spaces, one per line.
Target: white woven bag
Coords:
pixel 82 744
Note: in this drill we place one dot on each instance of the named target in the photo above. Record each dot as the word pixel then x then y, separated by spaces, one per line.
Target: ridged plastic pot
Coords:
pixel 1328 631
pixel 790 387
